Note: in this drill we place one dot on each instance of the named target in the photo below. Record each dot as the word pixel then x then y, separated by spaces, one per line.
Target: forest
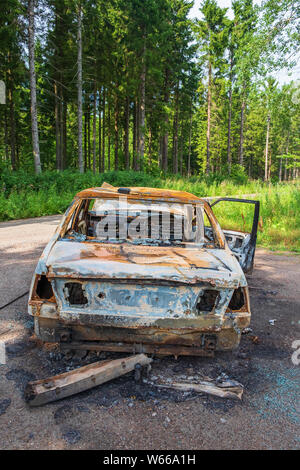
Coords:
pixel 160 93
pixel 141 85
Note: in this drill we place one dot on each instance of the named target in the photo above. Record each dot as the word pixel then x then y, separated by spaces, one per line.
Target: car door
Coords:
pixel 242 244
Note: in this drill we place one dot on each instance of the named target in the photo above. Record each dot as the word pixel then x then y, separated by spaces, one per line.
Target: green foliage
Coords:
pixel 120 38
pixel 25 195
pixel 238 174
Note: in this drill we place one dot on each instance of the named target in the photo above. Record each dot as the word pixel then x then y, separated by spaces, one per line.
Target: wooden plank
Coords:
pixel 60 386
pixel 162 349
pixel 230 391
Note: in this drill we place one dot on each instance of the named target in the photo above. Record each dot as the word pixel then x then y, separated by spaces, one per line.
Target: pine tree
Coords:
pixel 34 118
pixel 212 35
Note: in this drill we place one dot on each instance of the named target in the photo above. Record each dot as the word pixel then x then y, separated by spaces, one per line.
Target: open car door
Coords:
pixel 242 244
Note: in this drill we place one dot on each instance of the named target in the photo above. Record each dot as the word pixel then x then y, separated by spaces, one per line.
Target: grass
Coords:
pixel 279 221
pixel 25 195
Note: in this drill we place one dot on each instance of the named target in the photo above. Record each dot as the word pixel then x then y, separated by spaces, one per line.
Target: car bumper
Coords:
pixel 183 336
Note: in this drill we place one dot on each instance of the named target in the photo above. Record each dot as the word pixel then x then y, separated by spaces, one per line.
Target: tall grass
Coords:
pixel 25 195
pixel 279 222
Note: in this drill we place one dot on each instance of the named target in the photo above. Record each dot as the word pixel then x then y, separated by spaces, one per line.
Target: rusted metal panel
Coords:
pixel 161 350
pixel 220 338
pixel 243 244
pixel 104 261
pixel 140 193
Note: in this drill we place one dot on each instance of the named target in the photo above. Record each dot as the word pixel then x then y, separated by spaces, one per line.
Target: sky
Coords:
pixel 283 75
pixel 194 13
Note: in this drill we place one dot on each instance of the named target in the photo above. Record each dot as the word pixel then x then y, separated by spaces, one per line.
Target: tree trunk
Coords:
pixel 294 169
pixel 134 138
pixel 280 170
pixel 150 146
pixel 61 134
pixel 229 159
pixel 116 134
pixel 99 130
pixel 17 144
pixel 189 151
pixel 142 113
pixel 175 134
pixel 160 153
pixel 34 121
pixel 79 89
pixel 165 137
pixel 181 151
pixel 126 135
pixel 175 144
pixel 285 170
pixel 241 148
pixel 12 125
pixel 64 130
pixel 137 159
pixel 6 135
pixel 286 151
pixel 103 130
pixel 94 126
pixel 165 145
pixel 208 118
pixel 85 141
pixel 270 164
pixel 89 134
pixel 267 148
pixel 250 167
pixel 61 126
pixel 108 133
pixel 57 126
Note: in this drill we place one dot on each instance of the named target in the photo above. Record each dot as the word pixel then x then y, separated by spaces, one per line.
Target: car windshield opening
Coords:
pixel 150 223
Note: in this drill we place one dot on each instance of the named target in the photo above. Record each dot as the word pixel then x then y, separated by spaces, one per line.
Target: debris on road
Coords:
pixel 63 385
pixel 246 331
pixel 225 389
pixel 4 404
pixel 272 322
pixel 255 339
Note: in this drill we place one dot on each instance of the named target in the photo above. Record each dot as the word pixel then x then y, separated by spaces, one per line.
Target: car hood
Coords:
pixel 217 267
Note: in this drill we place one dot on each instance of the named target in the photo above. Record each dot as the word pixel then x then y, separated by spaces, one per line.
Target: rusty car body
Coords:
pixel 162 295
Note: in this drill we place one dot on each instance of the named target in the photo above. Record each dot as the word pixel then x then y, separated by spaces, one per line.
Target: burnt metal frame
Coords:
pixel 253 235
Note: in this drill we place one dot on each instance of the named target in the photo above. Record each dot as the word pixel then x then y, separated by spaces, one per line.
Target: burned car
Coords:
pixel 143 270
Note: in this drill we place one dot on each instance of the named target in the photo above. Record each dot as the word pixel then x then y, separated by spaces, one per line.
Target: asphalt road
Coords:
pixel 126 415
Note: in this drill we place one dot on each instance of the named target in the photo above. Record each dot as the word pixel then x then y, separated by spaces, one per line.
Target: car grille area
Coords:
pixel 119 298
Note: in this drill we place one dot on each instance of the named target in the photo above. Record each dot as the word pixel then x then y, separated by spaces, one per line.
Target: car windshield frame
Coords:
pixel 210 236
